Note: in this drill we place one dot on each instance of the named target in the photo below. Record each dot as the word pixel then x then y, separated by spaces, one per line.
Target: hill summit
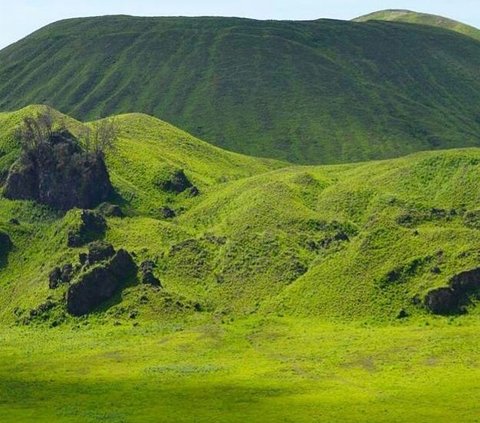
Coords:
pixel 408 16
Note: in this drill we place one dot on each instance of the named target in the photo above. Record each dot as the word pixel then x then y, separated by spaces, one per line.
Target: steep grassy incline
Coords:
pixel 421 19
pixel 364 241
pixel 310 92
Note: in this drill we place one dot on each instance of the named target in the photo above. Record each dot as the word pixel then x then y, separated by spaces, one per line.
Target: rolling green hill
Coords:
pixel 421 19
pixel 343 242
pixel 290 293
pixel 309 92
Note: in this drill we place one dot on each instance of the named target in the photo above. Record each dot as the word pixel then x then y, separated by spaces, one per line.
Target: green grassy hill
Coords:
pixel 309 92
pixel 283 288
pixel 421 19
pixel 262 236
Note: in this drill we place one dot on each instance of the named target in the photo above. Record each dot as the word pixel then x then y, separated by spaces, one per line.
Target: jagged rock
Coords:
pixel 442 301
pixel 98 251
pixel 93 288
pixel 110 210
pixel 148 277
pixel 100 283
pixel 454 298
pixel 59 174
pixel 122 265
pixel 92 226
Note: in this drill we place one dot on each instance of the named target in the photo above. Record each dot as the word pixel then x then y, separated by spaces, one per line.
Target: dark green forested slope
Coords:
pixel 313 92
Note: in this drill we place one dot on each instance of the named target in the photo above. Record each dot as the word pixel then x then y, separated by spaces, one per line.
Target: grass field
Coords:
pixel 257 370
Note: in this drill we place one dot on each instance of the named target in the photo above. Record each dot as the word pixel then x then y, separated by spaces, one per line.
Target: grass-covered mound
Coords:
pixel 366 242
pixel 311 92
pixel 275 293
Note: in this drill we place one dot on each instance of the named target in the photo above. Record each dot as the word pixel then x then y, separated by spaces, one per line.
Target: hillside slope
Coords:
pixel 354 242
pixel 310 92
pixel 422 19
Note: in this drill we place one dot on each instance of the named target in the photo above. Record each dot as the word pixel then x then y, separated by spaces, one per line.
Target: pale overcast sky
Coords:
pixel 18 18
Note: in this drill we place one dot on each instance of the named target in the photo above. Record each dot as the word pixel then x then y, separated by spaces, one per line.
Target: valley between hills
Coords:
pixel 210 271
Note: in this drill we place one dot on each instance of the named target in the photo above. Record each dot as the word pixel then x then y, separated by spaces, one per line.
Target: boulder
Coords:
pixel 92 289
pixel 442 301
pixel 6 244
pixel 98 251
pixel 453 299
pixel 59 174
pixel 175 182
pixel 122 265
pixel 100 283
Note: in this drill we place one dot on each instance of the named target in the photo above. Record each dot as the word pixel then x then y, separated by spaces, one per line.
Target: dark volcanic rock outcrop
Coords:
pixel 454 298
pixel 6 244
pixel 92 226
pixel 100 283
pixel 59 174
pixel 148 277
pixel 60 275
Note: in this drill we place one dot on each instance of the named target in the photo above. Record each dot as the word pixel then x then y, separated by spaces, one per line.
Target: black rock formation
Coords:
pixel 6 244
pixel 453 299
pixel 92 226
pixel 100 283
pixel 148 277
pixel 59 174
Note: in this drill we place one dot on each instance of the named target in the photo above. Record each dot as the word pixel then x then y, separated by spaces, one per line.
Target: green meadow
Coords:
pixel 255 369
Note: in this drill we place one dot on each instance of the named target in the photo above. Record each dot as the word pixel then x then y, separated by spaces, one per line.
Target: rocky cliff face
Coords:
pixel 59 174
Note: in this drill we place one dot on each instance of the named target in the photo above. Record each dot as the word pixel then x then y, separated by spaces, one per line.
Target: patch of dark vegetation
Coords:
pixel 402 273
pixel 454 299
pixel 167 213
pixel 91 227
pixel 334 226
pixel 110 210
pixel 415 216
pixel 99 283
pixel 471 219
pixel 174 181
pixel 147 274
pixel 328 241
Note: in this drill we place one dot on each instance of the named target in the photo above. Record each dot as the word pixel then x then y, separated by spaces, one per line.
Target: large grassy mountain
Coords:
pixel 350 242
pixel 311 92
pixel 396 15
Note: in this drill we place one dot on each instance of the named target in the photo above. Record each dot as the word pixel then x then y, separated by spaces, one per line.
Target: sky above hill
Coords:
pixel 21 17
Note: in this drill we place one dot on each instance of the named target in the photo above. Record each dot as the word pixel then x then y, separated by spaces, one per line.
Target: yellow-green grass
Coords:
pixel 255 370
